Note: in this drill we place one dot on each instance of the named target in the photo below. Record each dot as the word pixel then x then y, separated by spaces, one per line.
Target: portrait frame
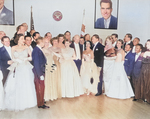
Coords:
pixel 99 19
pixel 7 15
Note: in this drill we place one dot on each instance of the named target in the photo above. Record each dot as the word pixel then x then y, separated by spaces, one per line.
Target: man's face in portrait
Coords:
pixel 106 10
pixel 1 4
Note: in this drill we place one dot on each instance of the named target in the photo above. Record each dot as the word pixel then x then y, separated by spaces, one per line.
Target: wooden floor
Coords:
pixel 85 107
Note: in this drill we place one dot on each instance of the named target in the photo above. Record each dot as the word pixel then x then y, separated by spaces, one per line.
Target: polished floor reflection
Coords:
pixel 85 107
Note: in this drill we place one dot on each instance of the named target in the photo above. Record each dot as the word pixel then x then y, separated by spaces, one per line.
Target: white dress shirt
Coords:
pixel 8 50
pixel 77 49
pixel 128 42
pixel 95 45
pixel 1 45
pixel 133 50
pixel 137 56
pixel 127 53
pixel 31 48
pixel 83 47
pixel 114 44
pixel 39 47
pixel 107 22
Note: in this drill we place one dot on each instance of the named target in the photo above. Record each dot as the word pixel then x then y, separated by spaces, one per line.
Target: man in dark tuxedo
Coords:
pixel 98 50
pixel 128 40
pixel 35 36
pixel 78 48
pixel 39 62
pixel 5 57
pixel 136 71
pixel 135 42
pixel 2 34
pixel 107 21
pixel 129 62
pixel 6 15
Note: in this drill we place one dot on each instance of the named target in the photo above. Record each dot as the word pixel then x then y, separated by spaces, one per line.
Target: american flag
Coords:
pixel 32 22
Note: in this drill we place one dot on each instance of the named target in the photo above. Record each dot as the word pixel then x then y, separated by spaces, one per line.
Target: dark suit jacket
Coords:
pixel 39 62
pixel 80 46
pixel 99 55
pixel 6 16
pixel 131 44
pixel 137 67
pixel 129 63
pixel 100 23
pixel 33 44
pixel 4 57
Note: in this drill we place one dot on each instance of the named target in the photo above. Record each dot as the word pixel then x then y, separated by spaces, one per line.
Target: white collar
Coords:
pixel 138 53
pixel 108 20
pixel 128 42
pixel 39 47
pixel 76 43
pixel 96 43
pixel 7 47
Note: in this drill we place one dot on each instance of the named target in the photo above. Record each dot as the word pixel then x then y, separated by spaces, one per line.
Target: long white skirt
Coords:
pixel 120 86
pixel 20 89
pixel 71 82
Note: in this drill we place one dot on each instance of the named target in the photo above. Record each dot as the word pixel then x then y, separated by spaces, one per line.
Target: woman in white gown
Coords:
pixel 109 59
pixel 1 92
pixel 71 82
pixel 19 87
pixel 89 71
pixel 120 86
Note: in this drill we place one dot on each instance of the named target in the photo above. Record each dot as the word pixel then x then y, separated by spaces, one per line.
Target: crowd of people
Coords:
pixel 37 69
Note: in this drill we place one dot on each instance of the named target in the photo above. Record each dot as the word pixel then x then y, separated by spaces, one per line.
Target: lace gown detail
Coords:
pixel 19 87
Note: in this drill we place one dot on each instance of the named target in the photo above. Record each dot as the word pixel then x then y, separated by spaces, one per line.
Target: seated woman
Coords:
pixel 1 92
pixel 71 82
pixel 89 71
pixel 109 59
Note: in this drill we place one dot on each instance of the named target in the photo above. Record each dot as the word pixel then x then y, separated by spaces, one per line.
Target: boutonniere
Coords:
pixel 126 59
pixel 139 60
pixel 96 49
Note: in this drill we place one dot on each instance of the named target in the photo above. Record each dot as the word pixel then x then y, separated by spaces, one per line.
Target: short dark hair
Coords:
pixel 34 34
pixel 27 36
pixel 129 45
pixel 4 38
pixel 46 34
pixel 129 35
pixel 96 36
pixel 141 46
pixel 106 1
pixel 120 40
pixel 17 38
pixel 67 32
pixel 61 35
pixel 116 35
pixel 137 38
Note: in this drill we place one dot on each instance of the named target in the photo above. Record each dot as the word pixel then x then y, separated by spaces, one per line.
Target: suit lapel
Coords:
pixel 6 53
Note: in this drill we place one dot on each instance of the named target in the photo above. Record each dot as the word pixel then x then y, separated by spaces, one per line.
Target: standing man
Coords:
pixel 98 50
pixel 107 21
pixel 135 42
pixel 6 15
pixel 28 41
pixel 78 48
pixel 2 33
pixel 35 36
pixel 129 62
pixel 26 28
pixel 39 62
pixel 5 57
pixel 128 40
pixel 115 38
pixel 136 71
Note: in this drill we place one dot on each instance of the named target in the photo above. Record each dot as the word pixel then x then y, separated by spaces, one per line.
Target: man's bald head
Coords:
pixel 2 33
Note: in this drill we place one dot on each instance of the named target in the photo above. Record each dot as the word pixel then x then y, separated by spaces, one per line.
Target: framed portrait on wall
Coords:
pixel 106 14
pixel 7 12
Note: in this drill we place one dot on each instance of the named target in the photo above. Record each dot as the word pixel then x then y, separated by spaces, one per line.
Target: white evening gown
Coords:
pixel 120 86
pixel 1 92
pixel 88 71
pixel 107 71
pixel 19 87
pixel 71 82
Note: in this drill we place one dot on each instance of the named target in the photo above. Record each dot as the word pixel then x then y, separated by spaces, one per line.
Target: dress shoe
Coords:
pixel 44 107
pixel 98 94
pixel 45 102
pixel 134 100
